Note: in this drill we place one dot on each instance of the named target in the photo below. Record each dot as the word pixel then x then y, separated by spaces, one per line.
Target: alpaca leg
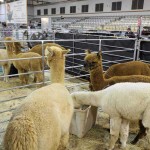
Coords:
pixel 146 122
pixel 148 135
pixel 115 124
pixel 64 141
pixel 22 77
pixel 124 132
pixel 39 77
pixel 35 79
pixel 6 71
pixel 3 69
pixel 141 134
pixel 26 77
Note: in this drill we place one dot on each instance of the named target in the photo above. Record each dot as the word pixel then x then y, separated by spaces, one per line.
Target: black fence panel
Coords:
pixel 144 52
pixel 117 51
pixel 113 51
pixel 68 45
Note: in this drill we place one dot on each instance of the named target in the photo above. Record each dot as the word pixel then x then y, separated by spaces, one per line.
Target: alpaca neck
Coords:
pixel 90 98
pixel 97 78
pixel 10 52
pixel 18 50
pixel 57 71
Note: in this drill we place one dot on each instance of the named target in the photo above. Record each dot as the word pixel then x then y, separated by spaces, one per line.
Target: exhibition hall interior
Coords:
pixel 74 74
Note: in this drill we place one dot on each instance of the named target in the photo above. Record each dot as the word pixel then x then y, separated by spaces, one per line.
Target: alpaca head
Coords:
pixel 54 53
pixel 9 45
pixel 17 47
pixel 92 60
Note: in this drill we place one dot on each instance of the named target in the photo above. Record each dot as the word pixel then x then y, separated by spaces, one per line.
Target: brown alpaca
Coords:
pixel 93 63
pixel 128 68
pixel 38 48
pixel 26 65
pixel 56 62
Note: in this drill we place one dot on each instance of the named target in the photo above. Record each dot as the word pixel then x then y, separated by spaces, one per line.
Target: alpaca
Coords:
pixel 5 64
pixel 128 68
pixel 121 102
pixel 25 65
pixel 38 48
pixel 56 62
pixel 42 121
pixel 93 63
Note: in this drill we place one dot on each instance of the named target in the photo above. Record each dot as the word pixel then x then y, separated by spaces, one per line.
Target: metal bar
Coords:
pixel 23 86
pixel 12 99
pixel 66 40
pixel 116 55
pixel 7 110
pixel 117 47
pixel 43 62
pixel 20 59
pixel 20 74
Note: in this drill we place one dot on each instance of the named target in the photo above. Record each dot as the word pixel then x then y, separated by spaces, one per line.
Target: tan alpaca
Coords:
pixel 5 64
pixel 26 65
pixel 44 117
pixel 56 62
pixel 38 48
pixel 42 121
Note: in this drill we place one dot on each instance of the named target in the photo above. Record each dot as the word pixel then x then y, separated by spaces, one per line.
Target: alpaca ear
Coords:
pixel 66 51
pixel 87 52
pixel 49 51
pixel 99 54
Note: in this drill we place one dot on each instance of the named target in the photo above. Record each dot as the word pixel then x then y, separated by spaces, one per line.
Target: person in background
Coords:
pixel 129 33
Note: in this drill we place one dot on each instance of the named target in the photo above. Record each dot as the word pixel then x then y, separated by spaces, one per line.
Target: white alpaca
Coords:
pixel 122 102
pixel 42 121
pixel 5 64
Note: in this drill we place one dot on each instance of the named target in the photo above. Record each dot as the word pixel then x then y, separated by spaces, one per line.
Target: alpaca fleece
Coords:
pixel 122 102
pixel 128 68
pixel 97 77
pixel 38 48
pixel 23 66
pixel 5 64
pixel 42 121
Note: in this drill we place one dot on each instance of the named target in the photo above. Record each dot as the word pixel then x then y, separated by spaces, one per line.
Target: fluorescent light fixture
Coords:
pixel 1 0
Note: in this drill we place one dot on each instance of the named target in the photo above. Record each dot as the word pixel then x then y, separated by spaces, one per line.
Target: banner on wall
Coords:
pixel 16 12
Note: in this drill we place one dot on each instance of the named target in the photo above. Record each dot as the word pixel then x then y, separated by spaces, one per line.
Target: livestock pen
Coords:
pixel 114 51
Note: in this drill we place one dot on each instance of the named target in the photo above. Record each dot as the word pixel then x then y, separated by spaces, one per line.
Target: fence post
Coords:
pixel 43 62
pixel 73 49
pixel 136 47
